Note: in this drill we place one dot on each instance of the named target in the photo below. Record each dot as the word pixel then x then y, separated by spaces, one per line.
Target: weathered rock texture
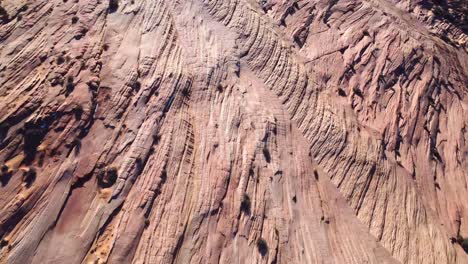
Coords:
pixel 233 131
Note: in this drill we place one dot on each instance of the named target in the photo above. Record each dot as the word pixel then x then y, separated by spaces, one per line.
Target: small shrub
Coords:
pixel 139 164
pixel 463 242
pixel 70 86
pixel 107 177
pixel 33 135
pixel 464 245
pixel 29 176
pixel 78 111
pixel 3 243
pixel 23 8
pixel 74 19
pixel 5 175
pixel 164 176
pixel 4 168
pixel 156 138
pixel 262 246
pixel 245 204
pixel 358 92
pixel 113 6
pixel 136 86
pixel 4 17
pixel 220 88
pixel 60 60
pixel 341 92
pixel 185 91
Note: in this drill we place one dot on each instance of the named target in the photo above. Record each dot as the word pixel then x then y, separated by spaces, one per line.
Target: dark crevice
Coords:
pixel 267 155
pixel 179 244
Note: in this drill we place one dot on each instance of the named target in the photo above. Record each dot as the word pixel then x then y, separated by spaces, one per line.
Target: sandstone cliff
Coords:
pixel 233 131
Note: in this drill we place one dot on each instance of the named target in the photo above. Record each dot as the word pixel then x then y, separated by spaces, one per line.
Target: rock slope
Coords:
pixel 233 131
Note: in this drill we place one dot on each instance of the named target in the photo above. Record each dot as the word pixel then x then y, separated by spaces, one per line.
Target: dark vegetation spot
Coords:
pixel 358 92
pixel 136 86
pixel 266 154
pixel 262 246
pixel 294 199
pixel 5 174
pixel 4 168
pixel 76 143
pixel 78 112
pixel 462 241
pixel 164 176
pixel 156 138
pixel 214 211
pixel 74 19
pixel 70 86
pixel 245 204
pixel 107 177
pixel 33 135
pixel 464 245
pixel 220 88
pixel 147 222
pixel 139 164
pixel 23 8
pixel 341 92
pixel 113 6
pixel 60 59
pixel 437 185
pixel 105 47
pixel 185 91
pixel 43 57
pixel 29 176
pixel 3 243
pixel 4 17
pixel 316 175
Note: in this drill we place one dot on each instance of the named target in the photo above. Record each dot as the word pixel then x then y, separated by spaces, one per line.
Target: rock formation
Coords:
pixel 233 131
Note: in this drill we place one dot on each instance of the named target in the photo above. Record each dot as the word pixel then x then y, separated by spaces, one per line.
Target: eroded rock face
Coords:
pixel 233 131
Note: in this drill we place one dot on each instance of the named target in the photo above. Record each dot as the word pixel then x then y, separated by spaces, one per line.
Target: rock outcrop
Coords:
pixel 233 131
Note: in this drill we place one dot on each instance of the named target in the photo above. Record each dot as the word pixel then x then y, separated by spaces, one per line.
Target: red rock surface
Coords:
pixel 233 131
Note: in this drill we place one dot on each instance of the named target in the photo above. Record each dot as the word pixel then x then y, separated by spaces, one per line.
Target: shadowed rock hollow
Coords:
pixel 233 131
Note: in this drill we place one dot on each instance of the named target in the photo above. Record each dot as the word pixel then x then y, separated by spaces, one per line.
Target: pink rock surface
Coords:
pixel 233 131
